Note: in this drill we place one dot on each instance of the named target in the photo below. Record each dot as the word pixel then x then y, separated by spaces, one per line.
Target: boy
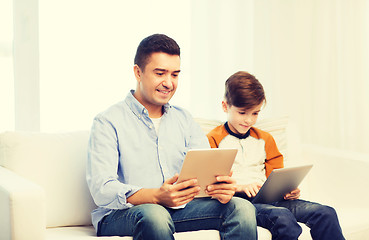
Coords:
pixel 257 156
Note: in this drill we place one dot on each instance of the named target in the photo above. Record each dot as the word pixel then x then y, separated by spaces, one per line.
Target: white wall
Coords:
pixel 311 57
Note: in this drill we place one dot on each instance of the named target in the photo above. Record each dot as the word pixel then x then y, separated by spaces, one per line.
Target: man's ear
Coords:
pixel 225 106
pixel 137 72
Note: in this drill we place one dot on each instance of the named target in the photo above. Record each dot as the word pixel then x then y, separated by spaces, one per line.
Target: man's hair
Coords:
pixel 243 90
pixel 152 44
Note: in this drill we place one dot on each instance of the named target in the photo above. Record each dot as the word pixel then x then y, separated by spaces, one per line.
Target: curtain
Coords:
pixel 311 56
pixel 6 66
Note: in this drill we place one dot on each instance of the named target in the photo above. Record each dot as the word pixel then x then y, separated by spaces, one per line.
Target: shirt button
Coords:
pixel 150 126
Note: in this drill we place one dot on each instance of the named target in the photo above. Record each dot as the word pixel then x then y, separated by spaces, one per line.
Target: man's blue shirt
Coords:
pixel 126 154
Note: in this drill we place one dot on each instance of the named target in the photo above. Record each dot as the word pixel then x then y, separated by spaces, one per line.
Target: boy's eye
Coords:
pixel 241 113
pixel 159 73
pixel 256 113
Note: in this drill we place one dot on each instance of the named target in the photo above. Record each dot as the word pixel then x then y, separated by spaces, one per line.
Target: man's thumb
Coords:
pixel 172 179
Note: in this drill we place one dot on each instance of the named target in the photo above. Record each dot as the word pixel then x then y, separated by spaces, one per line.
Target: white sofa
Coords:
pixel 44 195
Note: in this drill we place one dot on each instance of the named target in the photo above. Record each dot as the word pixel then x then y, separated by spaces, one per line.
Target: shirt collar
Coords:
pixel 239 136
pixel 137 108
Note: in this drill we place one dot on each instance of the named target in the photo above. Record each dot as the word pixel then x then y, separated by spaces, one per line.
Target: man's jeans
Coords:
pixel 234 220
pixel 281 218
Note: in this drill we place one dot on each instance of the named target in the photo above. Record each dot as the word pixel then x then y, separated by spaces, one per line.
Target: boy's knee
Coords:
pixel 283 216
pixel 284 224
pixel 328 213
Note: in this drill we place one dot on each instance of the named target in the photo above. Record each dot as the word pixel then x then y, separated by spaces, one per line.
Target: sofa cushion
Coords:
pixel 57 163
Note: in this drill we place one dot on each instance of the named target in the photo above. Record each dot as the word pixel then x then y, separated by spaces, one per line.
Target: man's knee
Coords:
pixel 243 212
pixel 153 217
pixel 243 207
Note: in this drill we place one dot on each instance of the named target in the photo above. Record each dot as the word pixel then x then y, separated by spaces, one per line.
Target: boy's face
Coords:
pixel 239 119
pixel 157 83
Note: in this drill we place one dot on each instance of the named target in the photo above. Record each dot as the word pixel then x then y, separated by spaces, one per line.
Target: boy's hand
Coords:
pixel 174 195
pixel 250 189
pixel 223 190
pixel 295 194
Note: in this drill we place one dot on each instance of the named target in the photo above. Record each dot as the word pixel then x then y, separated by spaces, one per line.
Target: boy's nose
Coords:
pixel 248 120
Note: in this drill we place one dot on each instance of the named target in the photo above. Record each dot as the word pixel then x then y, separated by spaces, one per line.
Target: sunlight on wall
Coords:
pixel 6 67
pixel 87 50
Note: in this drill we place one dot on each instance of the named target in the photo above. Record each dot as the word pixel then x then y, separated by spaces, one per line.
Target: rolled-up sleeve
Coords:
pixel 102 168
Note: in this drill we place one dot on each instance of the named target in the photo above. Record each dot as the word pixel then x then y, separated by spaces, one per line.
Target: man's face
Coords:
pixel 157 83
pixel 239 119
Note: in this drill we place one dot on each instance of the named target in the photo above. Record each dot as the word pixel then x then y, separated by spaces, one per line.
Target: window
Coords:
pixel 86 59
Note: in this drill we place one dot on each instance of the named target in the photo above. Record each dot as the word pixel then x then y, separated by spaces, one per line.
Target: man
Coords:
pixel 136 149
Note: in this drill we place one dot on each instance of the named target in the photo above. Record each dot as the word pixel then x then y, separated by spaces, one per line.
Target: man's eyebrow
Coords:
pixel 165 70
pixel 160 69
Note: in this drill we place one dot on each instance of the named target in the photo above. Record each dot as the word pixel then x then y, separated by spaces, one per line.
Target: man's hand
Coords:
pixel 223 190
pixel 295 194
pixel 250 189
pixel 174 195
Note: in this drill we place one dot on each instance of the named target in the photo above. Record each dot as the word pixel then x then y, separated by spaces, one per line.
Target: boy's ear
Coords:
pixel 225 106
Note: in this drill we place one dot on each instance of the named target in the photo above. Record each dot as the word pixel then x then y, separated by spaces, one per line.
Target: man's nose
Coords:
pixel 168 82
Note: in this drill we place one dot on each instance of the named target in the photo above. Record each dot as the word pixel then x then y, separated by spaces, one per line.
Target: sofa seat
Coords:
pixel 88 232
pixel 354 222
pixel 44 194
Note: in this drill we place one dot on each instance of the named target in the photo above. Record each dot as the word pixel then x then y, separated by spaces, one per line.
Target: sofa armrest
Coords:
pixel 338 176
pixel 22 207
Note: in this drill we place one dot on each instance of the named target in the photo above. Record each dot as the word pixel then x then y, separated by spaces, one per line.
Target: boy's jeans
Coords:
pixel 281 218
pixel 234 220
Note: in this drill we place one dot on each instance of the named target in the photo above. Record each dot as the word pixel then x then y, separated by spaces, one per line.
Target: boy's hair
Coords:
pixel 152 44
pixel 243 90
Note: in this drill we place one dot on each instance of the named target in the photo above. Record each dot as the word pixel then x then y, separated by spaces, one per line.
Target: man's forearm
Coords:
pixel 142 196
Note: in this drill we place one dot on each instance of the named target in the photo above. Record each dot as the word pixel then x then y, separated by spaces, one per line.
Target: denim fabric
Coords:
pixel 281 218
pixel 234 220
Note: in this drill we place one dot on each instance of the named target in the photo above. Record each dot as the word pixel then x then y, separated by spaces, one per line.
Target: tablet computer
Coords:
pixel 206 165
pixel 280 182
